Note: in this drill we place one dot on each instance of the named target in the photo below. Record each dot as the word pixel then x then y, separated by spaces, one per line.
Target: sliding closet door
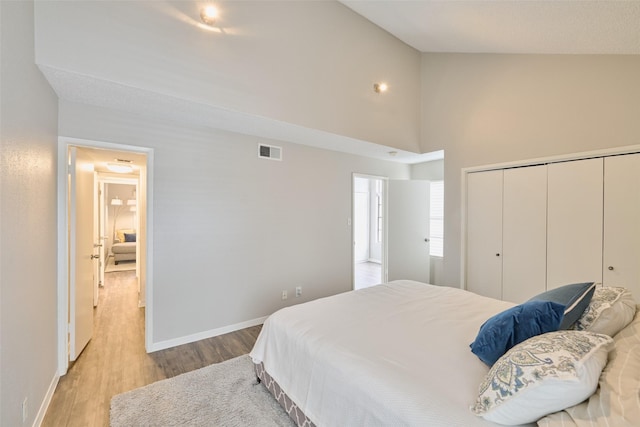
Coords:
pixel 484 233
pixel 524 233
pixel 622 222
pixel 574 229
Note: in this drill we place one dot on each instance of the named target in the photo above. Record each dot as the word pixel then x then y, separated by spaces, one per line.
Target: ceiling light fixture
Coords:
pixel 380 87
pixel 209 14
pixel 119 168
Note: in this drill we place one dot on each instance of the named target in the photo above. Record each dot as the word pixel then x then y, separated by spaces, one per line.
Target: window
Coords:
pixel 436 218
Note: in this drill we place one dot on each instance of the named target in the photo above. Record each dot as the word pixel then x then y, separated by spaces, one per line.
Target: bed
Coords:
pixel 393 354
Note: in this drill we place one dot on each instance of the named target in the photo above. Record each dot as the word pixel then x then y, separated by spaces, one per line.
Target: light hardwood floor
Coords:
pixel 115 360
pixel 367 274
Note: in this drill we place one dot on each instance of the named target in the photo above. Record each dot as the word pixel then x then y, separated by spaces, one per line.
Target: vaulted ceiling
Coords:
pixel 509 26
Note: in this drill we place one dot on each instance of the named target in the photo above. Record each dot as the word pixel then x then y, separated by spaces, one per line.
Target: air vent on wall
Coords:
pixel 269 152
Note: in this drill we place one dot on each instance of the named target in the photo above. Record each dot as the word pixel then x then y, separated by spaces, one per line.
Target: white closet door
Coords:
pixel 622 222
pixel 484 233
pixel 574 229
pixel 524 233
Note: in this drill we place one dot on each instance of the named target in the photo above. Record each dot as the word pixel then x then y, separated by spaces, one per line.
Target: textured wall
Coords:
pixel 28 218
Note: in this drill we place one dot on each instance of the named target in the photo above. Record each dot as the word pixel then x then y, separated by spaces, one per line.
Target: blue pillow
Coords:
pixel 575 298
pixel 130 237
pixel 511 327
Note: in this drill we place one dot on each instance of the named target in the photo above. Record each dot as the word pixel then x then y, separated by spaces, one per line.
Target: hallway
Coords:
pixel 115 360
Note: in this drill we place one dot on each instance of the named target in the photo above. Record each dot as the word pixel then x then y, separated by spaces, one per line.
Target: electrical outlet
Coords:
pixel 298 291
pixel 25 411
pixel 284 295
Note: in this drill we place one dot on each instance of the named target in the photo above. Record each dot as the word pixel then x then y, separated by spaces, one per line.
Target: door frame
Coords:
pixel 352 221
pixel 464 172
pixel 63 245
pixel 105 179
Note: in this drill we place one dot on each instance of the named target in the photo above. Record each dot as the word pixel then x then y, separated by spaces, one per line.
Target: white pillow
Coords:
pixel 610 310
pixel 542 375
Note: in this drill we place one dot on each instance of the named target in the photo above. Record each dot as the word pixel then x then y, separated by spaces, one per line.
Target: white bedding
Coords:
pixel 393 354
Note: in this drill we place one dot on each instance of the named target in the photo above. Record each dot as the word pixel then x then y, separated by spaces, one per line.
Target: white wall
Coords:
pixel 231 231
pixel 485 109
pixel 430 171
pixel 309 63
pixel 28 240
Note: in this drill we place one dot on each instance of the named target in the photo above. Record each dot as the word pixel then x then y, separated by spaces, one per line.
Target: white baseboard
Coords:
pixel 47 400
pixel 204 335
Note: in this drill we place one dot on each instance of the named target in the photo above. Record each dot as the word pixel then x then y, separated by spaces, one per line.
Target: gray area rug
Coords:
pixel 224 394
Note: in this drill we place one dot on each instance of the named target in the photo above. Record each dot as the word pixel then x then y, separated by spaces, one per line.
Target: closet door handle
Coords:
pixel 610 267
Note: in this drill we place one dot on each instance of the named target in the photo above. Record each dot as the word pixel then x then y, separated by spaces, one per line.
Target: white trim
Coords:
pixel 463 228
pixel 110 179
pixel 385 232
pixel 556 159
pixel 47 401
pixel 161 345
pixel 63 248
pixel 63 252
pixel 606 152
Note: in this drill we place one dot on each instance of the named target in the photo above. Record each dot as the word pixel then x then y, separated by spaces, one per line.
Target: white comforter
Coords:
pixel 390 355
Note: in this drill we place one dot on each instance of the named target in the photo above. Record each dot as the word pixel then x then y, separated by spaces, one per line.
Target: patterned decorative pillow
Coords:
pixel 542 375
pixel 610 310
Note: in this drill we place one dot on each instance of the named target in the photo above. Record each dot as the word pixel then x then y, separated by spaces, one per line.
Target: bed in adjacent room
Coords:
pixel 399 354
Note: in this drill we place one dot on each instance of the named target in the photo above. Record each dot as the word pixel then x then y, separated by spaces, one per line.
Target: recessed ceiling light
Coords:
pixel 119 168
pixel 209 14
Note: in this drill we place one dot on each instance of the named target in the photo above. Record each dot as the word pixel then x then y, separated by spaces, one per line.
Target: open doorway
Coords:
pixel 120 224
pixel 88 222
pixel 368 230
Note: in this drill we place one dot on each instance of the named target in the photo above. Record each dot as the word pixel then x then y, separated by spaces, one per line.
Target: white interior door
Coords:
pixel 574 218
pixel 524 233
pixel 97 243
pixel 101 232
pixel 81 251
pixel 408 231
pixel 484 233
pixel 621 222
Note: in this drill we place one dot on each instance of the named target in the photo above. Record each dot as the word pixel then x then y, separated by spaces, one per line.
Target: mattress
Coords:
pixel 392 354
